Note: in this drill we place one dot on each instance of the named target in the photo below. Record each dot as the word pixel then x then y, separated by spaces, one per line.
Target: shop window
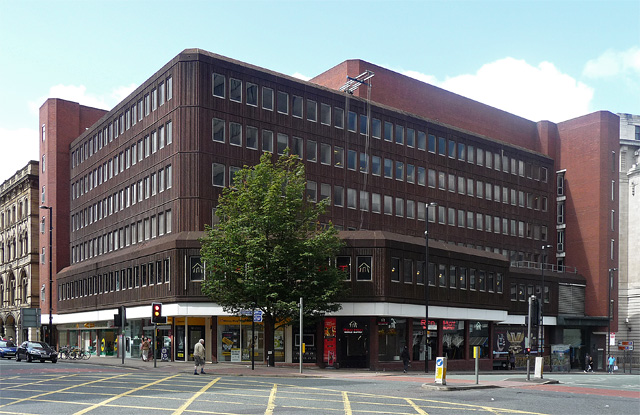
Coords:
pixel 453 339
pixel 479 336
pixel 391 338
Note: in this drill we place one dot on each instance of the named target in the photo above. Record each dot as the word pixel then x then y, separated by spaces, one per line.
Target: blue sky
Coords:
pixel 550 60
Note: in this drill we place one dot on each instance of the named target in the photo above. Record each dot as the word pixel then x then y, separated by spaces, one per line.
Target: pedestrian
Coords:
pixel 406 359
pixel 198 357
pixel 512 360
pixel 589 366
pixel 611 362
pixel 145 349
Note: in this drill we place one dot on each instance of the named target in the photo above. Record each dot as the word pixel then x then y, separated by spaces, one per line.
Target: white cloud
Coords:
pixel 301 76
pixel 537 93
pixel 18 148
pixel 614 63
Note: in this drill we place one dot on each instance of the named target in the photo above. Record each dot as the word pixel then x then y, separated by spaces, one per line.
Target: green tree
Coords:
pixel 269 249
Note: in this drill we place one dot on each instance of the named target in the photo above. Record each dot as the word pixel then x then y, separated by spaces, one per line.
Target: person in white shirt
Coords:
pixel 198 356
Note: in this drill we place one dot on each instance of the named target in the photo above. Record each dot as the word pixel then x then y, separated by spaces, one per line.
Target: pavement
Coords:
pixel 455 381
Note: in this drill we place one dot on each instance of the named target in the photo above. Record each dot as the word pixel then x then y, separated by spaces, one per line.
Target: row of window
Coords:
pixel 521 292
pixel 146 146
pixel 138 232
pixel 139 109
pixel 410 209
pixel 141 190
pixel 15 246
pixel 155 272
pixel 376 165
pixel 14 213
pixel 14 295
pixel 379 129
pixel 410 271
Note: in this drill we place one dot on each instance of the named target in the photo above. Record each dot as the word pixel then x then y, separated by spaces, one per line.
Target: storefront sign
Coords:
pixel 196 269
pixel 364 268
pixel 449 324
pixel 352 328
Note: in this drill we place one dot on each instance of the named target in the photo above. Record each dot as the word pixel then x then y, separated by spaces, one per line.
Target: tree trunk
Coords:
pixel 269 339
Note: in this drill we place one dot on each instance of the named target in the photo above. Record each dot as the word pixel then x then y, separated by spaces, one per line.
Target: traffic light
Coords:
pixel 156 313
pixel 120 319
pixel 527 351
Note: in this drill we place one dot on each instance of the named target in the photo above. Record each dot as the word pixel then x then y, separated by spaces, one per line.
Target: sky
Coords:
pixel 542 60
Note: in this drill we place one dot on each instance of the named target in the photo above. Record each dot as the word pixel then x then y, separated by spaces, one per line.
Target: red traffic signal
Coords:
pixel 156 313
pixel 527 351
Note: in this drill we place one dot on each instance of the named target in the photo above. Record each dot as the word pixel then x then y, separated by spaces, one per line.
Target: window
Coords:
pixel 388 205
pixel 235 90
pixel 343 263
pixel 312 191
pixel 442 275
pixel 376 128
pixel 282 143
pixel 376 165
pixel 411 173
pixel 399 170
pixel 219 85
pixel 411 137
pixel 218 130
pixel 296 106
pixel 325 114
pixel 218 174
pixel 432 143
pixel 312 111
pixel 312 151
pixel 364 163
pixel 442 146
pixel 422 140
pixel 399 207
pixel 338 156
pixel 252 94
pixel 351 159
pixel 296 146
pixel 364 125
pixel 395 269
pixel 267 141
pixel 267 98
pixel 338 115
pixel 399 134
pixel 252 138
pixel 169 176
pixel 452 149
pixel 351 121
pixel 376 203
pixel 388 168
pixel 338 196
pixel 283 102
pixel 351 198
pixel 388 131
pixel 325 154
pixel 364 201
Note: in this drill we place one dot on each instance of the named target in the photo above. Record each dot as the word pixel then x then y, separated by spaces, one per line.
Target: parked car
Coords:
pixel 36 350
pixel 7 349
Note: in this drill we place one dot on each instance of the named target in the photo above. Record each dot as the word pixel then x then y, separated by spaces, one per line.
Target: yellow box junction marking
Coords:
pixel 113 398
pixel 195 396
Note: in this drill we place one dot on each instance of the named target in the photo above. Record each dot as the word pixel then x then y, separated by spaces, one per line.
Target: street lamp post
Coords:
pixel 50 329
pixel 609 312
pixel 426 287
pixel 541 322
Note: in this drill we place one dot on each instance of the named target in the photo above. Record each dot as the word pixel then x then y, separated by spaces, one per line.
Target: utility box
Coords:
pixel 539 367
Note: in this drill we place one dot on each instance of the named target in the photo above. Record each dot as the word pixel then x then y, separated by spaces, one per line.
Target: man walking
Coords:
pixel 611 362
pixel 198 356
pixel 406 359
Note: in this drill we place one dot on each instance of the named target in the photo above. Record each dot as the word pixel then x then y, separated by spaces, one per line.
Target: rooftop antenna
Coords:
pixel 353 84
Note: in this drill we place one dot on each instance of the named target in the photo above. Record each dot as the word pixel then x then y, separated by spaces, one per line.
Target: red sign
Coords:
pixel 449 325
pixel 330 341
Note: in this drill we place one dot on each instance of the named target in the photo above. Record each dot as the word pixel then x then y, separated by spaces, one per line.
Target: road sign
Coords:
pixel 257 316
pixel 625 345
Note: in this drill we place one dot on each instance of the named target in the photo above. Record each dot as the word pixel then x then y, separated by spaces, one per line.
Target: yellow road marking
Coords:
pixel 39 381
pixel 92 407
pixel 271 405
pixel 57 391
pixel 416 407
pixel 194 397
pixel 346 403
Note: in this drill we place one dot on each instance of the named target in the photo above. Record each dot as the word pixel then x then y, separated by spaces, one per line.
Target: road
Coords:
pixel 86 388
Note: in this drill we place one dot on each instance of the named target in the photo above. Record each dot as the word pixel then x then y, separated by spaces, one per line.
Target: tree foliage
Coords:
pixel 268 249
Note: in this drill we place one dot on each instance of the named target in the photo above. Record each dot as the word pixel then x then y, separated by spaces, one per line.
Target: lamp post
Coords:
pixel 609 312
pixel 50 329
pixel 426 287
pixel 541 322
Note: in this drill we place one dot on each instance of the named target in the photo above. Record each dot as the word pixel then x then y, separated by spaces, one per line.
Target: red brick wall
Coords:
pixel 416 97
pixel 585 149
pixel 64 121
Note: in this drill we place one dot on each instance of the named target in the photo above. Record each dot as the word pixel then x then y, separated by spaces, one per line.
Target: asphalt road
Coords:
pixel 86 388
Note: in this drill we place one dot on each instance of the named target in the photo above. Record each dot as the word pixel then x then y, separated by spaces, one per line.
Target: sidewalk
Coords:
pixel 455 381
